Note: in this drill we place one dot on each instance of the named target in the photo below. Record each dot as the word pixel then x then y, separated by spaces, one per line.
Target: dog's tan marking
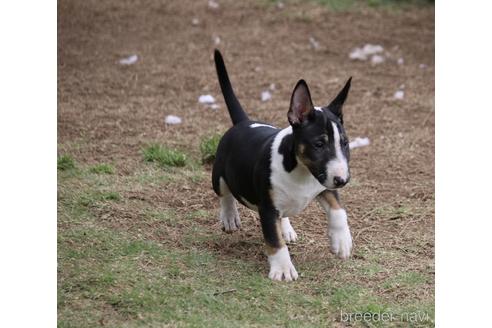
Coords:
pixel 301 155
pixel 331 199
pixel 270 250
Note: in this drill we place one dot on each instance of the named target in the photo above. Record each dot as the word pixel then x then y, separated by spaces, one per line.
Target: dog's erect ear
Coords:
pixel 337 104
pixel 300 104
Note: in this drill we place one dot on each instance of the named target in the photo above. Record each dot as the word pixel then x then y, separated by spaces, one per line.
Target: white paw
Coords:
pixel 230 221
pixel 339 233
pixel 341 243
pixel 229 215
pixel 281 267
pixel 288 232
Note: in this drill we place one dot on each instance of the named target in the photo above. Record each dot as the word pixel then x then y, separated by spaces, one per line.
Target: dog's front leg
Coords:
pixel 338 228
pixel 281 266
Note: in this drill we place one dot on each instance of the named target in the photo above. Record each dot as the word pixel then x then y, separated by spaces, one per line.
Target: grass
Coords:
pixel 164 156
pixel 92 198
pixel 102 168
pixel 342 5
pixel 115 277
pixel 120 277
pixel 65 163
pixel 208 148
pixel 337 4
pixel 145 284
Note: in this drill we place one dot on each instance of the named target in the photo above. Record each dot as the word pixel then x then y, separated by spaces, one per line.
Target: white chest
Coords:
pixel 292 192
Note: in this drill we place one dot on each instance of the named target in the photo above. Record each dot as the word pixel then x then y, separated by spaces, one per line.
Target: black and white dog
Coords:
pixel 278 172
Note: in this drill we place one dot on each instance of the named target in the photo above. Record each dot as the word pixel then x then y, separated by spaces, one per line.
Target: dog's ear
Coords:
pixel 336 104
pixel 300 104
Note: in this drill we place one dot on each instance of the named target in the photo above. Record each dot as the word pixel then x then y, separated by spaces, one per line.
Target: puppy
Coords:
pixel 278 172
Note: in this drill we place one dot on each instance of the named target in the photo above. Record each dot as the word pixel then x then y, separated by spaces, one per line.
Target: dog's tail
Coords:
pixel 235 110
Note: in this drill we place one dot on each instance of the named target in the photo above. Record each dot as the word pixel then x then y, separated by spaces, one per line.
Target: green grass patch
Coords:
pixel 198 214
pixel 343 297
pixel 91 198
pixel 208 148
pixel 102 168
pixel 337 4
pixel 343 5
pixel 147 284
pixel 168 216
pixel 132 275
pixel 398 3
pixel 371 269
pixel 410 279
pixel 164 156
pixel 65 163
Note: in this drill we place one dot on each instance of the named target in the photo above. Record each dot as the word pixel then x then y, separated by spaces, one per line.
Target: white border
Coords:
pixel 28 104
pixel 463 163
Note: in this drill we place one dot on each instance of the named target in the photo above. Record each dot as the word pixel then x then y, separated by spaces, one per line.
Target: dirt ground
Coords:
pixel 107 113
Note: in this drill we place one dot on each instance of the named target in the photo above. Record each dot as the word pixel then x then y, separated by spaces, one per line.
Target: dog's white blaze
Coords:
pixel 337 166
pixel 292 191
pixel 258 125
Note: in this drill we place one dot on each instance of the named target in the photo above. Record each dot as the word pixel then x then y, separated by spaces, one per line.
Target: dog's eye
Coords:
pixel 319 144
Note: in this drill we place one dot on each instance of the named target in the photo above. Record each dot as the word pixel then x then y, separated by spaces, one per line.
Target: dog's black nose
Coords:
pixel 339 182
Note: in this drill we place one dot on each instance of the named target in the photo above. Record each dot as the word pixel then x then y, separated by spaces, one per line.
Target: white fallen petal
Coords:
pixel 371 49
pixel 266 95
pixel 195 21
pixel 129 60
pixel 314 43
pixel 272 87
pixel 377 59
pixel 400 61
pixel 214 106
pixel 206 99
pixel 423 66
pixel 212 4
pixel 358 54
pixel 366 51
pixel 400 94
pixel 172 119
pixel 216 40
pixel 359 142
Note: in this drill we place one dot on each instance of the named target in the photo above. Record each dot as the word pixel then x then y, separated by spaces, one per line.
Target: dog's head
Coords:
pixel 320 141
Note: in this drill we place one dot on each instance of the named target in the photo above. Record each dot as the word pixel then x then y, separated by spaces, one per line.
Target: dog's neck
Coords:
pixel 287 150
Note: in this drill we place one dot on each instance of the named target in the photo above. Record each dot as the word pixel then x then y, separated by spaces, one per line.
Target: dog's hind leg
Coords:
pixel 288 232
pixel 281 267
pixel 229 215
pixel 338 228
